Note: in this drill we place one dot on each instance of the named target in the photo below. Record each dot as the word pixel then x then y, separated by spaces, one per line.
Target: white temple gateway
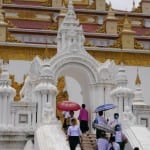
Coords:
pixel 34 116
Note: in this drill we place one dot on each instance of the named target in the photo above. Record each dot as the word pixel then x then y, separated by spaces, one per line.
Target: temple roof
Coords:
pixel 39 17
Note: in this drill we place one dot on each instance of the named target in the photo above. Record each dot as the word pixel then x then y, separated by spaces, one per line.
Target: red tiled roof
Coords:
pixel 141 31
pixel 80 6
pixel 30 24
pixel 90 27
pixel 34 3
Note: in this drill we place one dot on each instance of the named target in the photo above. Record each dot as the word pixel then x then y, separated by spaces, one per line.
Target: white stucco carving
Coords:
pixel 35 113
pixel 128 117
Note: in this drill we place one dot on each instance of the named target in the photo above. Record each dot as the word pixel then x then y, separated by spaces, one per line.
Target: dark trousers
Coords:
pixel 73 142
pixel 84 126
pixel 98 133
pixel 122 145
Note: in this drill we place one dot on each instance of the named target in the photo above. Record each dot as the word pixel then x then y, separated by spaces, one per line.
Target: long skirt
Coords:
pixel 73 142
pixel 84 126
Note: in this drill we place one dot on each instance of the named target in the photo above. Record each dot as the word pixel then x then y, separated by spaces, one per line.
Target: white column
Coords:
pixel 107 93
pixel 96 92
pixel 1 106
pixel 52 99
pixel 5 109
pixel 33 118
pixel 117 103
pixel 8 109
pixel 39 99
pixel 63 41
pixel 102 97
pixel 44 99
pixel 13 118
pixel 120 106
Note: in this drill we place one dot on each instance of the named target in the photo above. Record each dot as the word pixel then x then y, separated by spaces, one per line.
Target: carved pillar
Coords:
pixel 57 3
pixel 111 22
pixel 96 96
pixel 127 35
pixel 45 92
pixel 145 6
pixel 100 5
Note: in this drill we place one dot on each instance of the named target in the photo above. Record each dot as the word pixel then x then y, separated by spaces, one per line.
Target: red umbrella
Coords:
pixel 68 106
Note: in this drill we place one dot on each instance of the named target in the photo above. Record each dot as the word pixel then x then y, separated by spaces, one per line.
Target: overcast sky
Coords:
pixel 123 4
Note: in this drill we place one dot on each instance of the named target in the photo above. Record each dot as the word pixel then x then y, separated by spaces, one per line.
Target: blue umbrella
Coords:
pixel 105 107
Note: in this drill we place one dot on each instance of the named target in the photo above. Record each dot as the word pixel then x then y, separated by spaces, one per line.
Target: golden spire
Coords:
pixel 126 24
pixel 138 80
pixel 63 10
pixel 111 14
pixel 127 27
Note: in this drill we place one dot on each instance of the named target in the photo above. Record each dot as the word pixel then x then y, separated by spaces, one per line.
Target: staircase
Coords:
pixel 88 142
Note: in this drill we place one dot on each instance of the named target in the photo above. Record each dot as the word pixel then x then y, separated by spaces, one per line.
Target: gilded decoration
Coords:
pixel 10 24
pixel 88 43
pixel 92 6
pixel 137 45
pixel 41 1
pixel 29 15
pixel 147 33
pixel 102 28
pixel 11 38
pixel 47 3
pixel 78 2
pixel 28 53
pixel 7 1
pixel 88 19
pixel 62 95
pixel 54 26
pixel 24 53
pixel 130 59
pixel 17 86
pixel 116 44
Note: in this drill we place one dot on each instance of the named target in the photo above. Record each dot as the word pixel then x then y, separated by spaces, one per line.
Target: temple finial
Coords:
pixel 126 24
pixel 138 80
pixel 133 8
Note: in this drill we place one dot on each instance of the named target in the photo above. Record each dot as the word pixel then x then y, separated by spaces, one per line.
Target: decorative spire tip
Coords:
pixel 138 80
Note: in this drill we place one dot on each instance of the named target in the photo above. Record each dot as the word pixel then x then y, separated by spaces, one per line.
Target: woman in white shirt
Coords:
pixel 73 134
pixel 120 137
pixel 102 142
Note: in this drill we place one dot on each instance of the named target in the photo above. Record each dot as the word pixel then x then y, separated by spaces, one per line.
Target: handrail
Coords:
pixel 141 147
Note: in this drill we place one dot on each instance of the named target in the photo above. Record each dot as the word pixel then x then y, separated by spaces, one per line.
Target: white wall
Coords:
pixel 19 68
pixel 123 4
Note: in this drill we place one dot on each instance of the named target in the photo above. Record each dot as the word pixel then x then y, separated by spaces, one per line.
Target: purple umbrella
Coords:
pixel 105 107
